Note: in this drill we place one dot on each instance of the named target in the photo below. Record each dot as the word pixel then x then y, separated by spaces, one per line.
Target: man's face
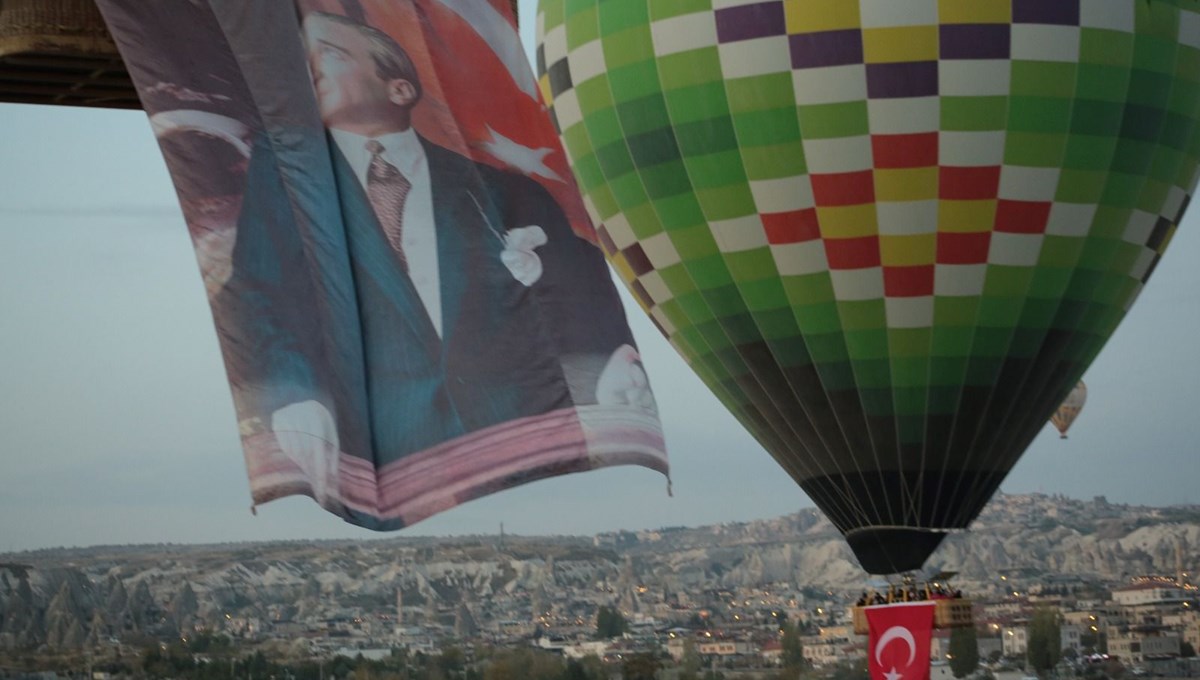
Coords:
pixel 350 93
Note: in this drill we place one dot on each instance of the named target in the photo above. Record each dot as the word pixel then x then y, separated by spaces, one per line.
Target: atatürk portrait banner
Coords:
pixel 407 290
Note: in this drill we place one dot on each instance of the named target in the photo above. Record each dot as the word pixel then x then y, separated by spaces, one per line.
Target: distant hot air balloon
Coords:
pixel 890 235
pixel 1069 410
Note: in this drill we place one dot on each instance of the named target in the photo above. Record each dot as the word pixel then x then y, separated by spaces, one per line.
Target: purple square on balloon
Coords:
pixel 746 22
pixel 1062 12
pixel 974 41
pixel 905 79
pixel 826 48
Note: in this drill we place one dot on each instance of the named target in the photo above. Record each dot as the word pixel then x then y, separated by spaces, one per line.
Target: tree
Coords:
pixel 964 651
pixel 524 664
pixel 1186 650
pixel 451 660
pixel 1045 640
pixel 792 651
pixel 641 666
pixel 689 662
pixel 574 671
pixel 589 667
pixel 341 667
pixel 854 669
pixel 610 623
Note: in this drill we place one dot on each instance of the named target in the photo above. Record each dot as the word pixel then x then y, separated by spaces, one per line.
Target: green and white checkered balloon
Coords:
pixel 889 234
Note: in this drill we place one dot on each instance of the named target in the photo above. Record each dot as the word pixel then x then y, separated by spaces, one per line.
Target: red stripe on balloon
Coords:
pixel 968 183
pixel 965 248
pixel 843 188
pixel 791 227
pixel 908 281
pixel 852 253
pixel 1022 217
pixel 919 150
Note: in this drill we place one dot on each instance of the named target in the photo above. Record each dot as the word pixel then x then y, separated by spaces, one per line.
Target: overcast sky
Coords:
pixel 116 424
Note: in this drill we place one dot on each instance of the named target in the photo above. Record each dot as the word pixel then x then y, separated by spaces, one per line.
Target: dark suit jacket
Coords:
pixel 311 323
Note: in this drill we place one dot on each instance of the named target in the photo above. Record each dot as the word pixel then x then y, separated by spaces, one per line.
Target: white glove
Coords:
pixel 623 381
pixel 308 436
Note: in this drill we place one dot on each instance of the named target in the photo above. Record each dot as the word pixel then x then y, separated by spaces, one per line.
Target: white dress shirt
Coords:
pixel 419 237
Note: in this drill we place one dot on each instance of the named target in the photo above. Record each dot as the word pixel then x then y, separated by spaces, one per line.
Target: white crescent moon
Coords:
pixel 234 132
pixel 893 633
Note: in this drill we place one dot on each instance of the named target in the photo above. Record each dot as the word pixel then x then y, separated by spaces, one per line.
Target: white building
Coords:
pixel 586 648
pixel 820 652
pixel 1070 637
pixel 1014 640
pixel 724 648
pixel 939 645
pixel 373 654
pixel 1139 646
pixel 1151 592
pixel 707 646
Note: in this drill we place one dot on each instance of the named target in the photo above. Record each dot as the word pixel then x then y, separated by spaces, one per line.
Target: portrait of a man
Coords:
pixel 466 279
pixel 408 305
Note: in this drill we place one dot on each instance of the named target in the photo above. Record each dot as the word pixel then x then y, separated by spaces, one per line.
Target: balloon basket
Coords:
pixel 948 613
pixel 60 52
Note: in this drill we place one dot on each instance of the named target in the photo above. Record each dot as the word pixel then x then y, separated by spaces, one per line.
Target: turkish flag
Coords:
pixel 899 640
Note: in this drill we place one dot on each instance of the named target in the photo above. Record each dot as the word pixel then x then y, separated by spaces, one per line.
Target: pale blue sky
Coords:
pixel 116 423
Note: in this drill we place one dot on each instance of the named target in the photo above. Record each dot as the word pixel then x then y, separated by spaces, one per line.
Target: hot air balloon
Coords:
pixel 890 235
pixel 1069 410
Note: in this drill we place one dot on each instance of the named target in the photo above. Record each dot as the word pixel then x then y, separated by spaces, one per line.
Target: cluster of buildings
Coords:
pixel 1146 622
pixel 724 593
pixel 1149 623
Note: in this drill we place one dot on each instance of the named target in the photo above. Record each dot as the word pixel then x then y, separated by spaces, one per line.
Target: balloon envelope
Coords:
pixel 890 236
pixel 1069 410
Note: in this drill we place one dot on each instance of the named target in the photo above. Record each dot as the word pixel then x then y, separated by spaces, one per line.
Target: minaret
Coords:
pixel 399 607
pixel 1180 567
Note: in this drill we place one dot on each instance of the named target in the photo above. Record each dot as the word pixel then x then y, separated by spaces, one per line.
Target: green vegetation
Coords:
pixel 610 624
pixel 689 663
pixel 964 651
pixel 524 664
pixel 1045 640
pixel 179 662
pixel 850 670
pixel 792 652
pixel 642 666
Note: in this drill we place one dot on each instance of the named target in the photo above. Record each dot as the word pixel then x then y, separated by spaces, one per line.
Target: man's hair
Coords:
pixel 391 61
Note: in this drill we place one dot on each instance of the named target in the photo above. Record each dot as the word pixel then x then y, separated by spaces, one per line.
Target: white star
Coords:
pixel 516 155
pixel 893 675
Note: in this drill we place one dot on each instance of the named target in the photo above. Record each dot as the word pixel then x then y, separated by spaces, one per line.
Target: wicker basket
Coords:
pixel 60 52
pixel 955 613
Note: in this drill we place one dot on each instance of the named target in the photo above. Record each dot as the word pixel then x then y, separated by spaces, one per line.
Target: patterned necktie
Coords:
pixel 386 189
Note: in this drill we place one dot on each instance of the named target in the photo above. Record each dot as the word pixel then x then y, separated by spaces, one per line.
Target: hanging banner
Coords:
pixel 899 640
pixel 407 292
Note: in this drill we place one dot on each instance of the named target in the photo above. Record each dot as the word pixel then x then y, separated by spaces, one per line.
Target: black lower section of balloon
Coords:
pixel 892 551
pixel 902 515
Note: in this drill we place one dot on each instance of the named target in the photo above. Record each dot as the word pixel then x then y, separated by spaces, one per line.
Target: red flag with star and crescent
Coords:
pixel 899 640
